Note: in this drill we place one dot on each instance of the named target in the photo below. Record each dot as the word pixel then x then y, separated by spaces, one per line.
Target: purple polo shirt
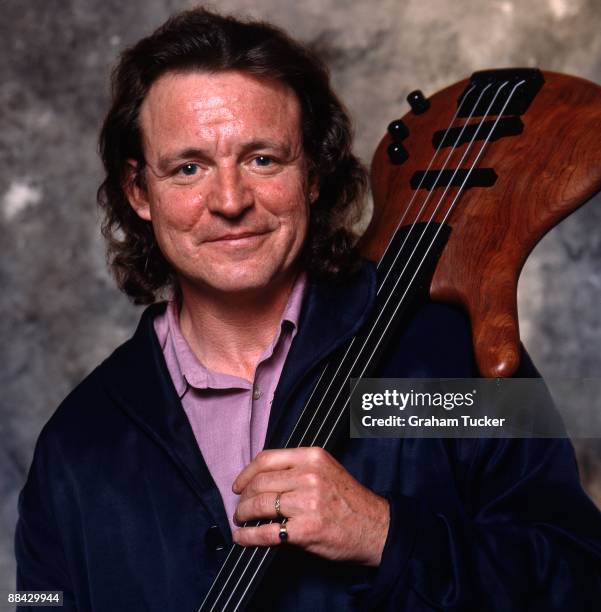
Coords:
pixel 228 414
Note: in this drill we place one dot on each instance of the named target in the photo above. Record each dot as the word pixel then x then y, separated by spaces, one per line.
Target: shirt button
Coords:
pixel 257 393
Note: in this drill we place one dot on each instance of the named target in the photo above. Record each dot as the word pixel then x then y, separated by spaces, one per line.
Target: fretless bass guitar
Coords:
pixel 464 187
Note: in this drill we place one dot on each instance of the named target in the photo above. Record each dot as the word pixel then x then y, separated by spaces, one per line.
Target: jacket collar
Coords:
pixel 332 314
pixel 137 378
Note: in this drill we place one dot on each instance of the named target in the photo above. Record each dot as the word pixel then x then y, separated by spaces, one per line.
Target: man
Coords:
pixel 229 182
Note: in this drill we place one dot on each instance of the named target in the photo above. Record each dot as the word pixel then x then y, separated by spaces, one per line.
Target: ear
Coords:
pixel 313 188
pixel 136 192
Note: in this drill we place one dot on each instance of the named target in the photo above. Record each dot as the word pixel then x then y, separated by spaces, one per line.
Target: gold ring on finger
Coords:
pixel 277 506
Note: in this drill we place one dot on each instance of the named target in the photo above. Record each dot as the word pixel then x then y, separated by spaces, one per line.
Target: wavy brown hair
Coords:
pixel 205 41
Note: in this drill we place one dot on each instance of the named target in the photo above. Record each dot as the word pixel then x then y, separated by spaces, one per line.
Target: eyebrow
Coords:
pixel 165 161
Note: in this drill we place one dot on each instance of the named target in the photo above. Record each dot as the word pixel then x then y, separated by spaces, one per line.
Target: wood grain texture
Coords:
pixel 544 174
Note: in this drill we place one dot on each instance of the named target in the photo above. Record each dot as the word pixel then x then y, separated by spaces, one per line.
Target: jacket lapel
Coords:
pixel 138 380
pixel 332 314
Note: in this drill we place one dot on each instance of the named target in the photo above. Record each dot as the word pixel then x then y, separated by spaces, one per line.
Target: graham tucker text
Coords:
pixel 474 407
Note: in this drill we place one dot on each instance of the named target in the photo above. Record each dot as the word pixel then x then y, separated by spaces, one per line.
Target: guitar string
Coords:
pixel 390 266
pixel 444 165
pixel 399 225
pixel 431 192
pixel 407 208
pixel 452 206
pixel 382 284
pixel 423 178
pixel 267 549
pixel 316 386
pixel 390 293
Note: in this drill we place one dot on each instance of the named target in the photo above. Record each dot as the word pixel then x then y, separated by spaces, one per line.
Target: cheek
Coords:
pixel 176 209
pixel 285 199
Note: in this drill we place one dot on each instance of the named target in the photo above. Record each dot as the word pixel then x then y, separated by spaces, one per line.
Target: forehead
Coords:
pixel 218 106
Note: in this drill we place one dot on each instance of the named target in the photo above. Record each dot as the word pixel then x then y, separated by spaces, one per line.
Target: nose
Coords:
pixel 229 197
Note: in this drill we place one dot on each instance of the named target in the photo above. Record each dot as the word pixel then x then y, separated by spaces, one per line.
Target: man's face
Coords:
pixel 227 186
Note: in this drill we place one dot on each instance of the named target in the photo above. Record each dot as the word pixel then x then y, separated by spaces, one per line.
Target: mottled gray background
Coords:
pixel 60 312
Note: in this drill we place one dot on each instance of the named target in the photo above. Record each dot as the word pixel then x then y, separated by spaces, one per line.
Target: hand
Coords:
pixel 329 513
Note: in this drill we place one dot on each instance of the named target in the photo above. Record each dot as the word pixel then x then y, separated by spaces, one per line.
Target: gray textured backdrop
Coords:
pixel 60 312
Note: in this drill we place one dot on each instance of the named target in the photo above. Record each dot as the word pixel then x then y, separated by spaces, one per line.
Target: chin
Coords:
pixel 245 277
pixel 236 284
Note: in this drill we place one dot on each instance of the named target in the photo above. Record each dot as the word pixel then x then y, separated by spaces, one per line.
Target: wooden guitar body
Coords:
pixel 543 164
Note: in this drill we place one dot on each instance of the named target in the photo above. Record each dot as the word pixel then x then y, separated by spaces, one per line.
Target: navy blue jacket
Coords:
pixel 120 512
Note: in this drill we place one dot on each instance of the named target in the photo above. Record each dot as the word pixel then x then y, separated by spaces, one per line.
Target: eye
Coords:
pixel 188 169
pixel 263 160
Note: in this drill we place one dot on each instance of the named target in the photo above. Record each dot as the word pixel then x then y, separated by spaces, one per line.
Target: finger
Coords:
pixel 278 481
pixel 265 461
pixel 263 507
pixel 278 459
pixel 258 507
pixel 263 535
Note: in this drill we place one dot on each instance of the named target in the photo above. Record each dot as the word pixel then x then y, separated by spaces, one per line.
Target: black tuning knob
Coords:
pixel 398 130
pixel 418 102
pixel 397 153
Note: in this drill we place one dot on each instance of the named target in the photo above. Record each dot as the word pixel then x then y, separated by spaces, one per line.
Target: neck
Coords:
pixel 229 332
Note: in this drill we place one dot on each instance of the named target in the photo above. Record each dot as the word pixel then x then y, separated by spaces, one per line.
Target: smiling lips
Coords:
pixel 237 237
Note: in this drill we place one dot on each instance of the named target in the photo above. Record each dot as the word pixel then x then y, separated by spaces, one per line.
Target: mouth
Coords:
pixel 239 238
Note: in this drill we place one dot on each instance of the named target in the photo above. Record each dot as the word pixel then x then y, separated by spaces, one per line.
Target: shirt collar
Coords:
pixel 190 371
pixel 295 301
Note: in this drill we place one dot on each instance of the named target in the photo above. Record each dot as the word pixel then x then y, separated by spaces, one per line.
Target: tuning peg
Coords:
pixel 418 102
pixel 397 153
pixel 398 130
